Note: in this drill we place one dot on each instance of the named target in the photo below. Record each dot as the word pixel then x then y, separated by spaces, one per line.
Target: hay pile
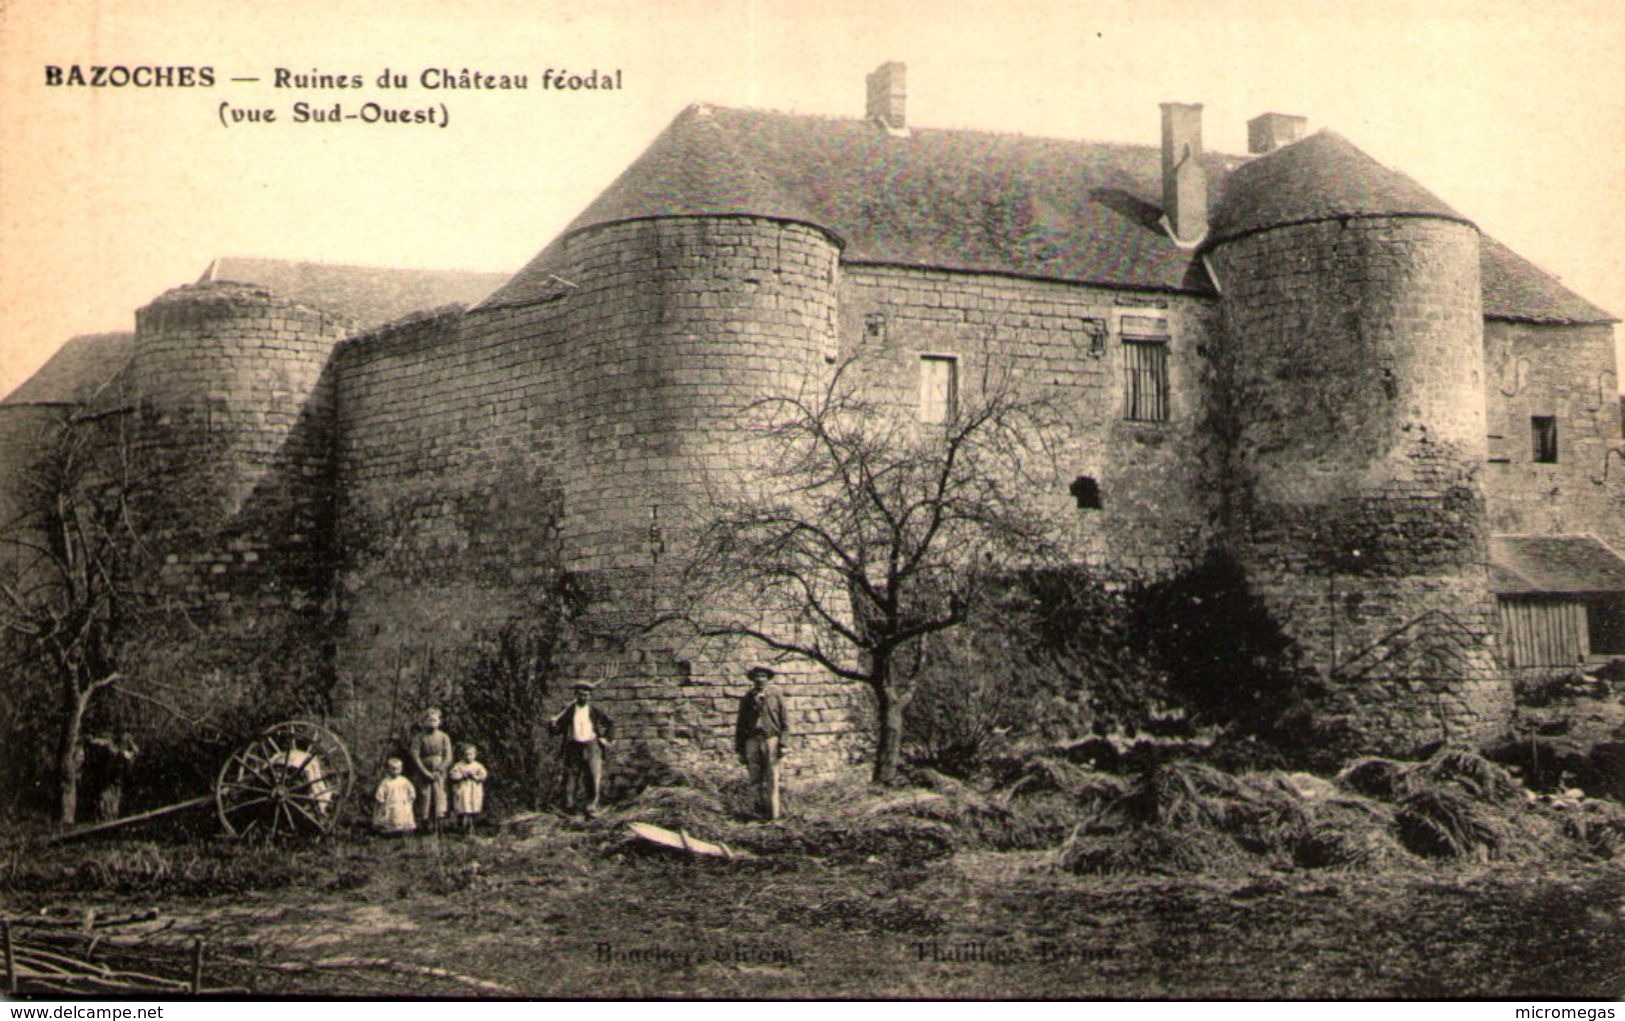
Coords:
pixel 1175 817
pixel 1460 805
pixel 1187 816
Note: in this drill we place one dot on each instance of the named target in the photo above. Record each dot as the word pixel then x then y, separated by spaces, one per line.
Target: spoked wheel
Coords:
pixel 294 778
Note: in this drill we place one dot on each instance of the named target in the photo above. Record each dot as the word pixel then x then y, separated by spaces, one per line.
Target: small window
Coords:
pixel 874 328
pixel 939 388
pixel 1145 368
pixel 1145 380
pixel 1543 431
pixel 1086 491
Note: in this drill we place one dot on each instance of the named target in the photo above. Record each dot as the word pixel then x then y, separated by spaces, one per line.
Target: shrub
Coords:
pixel 1063 653
pixel 502 702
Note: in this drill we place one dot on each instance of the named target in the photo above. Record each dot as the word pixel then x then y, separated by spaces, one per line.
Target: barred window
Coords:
pixel 939 388
pixel 1145 368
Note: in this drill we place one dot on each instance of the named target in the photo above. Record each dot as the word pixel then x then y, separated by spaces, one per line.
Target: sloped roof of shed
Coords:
pixel 981 201
pixel 78 368
pixel 1554 564
pixel 368 295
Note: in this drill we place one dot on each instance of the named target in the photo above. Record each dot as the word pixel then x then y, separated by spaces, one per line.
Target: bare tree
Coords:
pixel 854 530
pixel 73 559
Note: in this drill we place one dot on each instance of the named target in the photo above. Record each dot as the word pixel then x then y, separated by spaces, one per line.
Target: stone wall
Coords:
pixel 1566 372
pixel 482 454
pixel 1352 370
pixel 1324 421
pixel 1155 481
pixel 27 431
pixel 448 468
pixel 675 326
pixel 235 409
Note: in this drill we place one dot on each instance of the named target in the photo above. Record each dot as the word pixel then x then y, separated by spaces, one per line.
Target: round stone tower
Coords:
pixel 1352 375
pixel 235 407
pixel 676 325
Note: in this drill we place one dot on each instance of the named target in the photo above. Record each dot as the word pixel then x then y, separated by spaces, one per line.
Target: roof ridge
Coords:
pixel 970 199
pixel 214 266
pixel 916 129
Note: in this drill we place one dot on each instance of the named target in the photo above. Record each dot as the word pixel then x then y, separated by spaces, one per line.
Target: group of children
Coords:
pixel 401 806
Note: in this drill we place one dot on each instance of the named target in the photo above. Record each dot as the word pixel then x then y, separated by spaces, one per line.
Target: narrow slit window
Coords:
pixel 216 416
pixel 1543 433
pixel 939 388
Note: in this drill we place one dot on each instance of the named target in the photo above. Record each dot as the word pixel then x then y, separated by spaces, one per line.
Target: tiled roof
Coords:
pixel 1574 564
pixel 968 200
pixel 1515 288
pixel 77 369
pixel 367 295
pixel 981 201
pixel 1322 177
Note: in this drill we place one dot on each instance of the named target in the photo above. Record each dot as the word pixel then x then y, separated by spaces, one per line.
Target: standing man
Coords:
pixel 108 762
pixel 586 733
pixel 430 750
pixel 759 737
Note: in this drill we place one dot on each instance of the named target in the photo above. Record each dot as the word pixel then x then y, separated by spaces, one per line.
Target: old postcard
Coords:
pixel 761 500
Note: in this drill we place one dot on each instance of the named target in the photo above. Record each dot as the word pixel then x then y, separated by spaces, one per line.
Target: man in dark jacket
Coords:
pixel 585 733
pixel 759 737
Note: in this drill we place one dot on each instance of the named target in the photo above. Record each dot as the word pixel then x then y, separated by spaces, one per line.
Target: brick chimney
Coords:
pixel 1184 183
pixel 888 96
pixel 1269 131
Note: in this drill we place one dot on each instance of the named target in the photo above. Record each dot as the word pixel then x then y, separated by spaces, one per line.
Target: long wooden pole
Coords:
pixel 85 831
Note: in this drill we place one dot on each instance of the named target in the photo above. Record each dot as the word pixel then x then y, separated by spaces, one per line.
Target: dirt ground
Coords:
pixel 570 909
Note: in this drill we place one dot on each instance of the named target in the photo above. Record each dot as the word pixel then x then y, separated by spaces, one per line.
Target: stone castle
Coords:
pixel 1406 435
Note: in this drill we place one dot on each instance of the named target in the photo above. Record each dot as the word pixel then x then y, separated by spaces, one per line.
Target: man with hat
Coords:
pixel 759 737
pixel 586 732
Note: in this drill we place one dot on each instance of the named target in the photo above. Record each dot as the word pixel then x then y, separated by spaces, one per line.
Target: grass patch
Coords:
pixel 201 868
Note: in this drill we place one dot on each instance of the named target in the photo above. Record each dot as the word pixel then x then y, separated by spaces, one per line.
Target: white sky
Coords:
pixel 1512 111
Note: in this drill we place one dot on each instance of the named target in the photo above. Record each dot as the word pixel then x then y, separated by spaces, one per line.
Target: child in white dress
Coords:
pixel 395 797
pixel 468 791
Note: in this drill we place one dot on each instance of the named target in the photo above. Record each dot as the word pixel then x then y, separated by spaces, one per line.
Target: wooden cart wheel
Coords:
pixel 293 778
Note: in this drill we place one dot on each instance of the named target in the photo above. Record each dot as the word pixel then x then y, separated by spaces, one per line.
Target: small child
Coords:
pixel 468 792
pixel 395 797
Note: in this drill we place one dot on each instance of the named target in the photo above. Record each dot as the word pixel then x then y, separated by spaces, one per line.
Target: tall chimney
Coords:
pixel 887 96
pixel 1184 183
pixel 1269 131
